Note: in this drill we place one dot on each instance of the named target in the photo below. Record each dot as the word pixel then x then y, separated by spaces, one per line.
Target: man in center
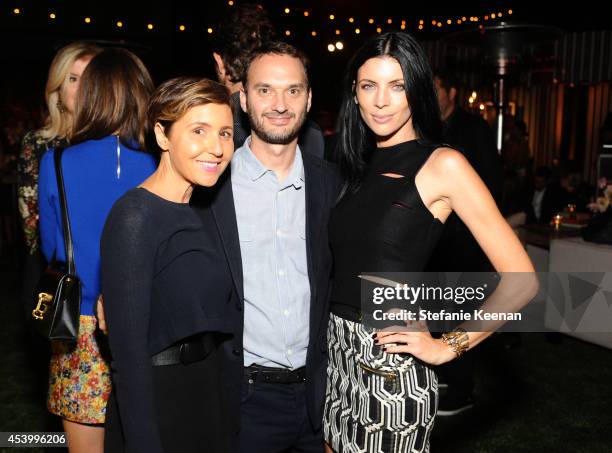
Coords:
pixel 272 211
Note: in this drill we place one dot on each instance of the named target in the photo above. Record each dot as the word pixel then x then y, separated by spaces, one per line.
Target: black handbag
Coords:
pixel 57 299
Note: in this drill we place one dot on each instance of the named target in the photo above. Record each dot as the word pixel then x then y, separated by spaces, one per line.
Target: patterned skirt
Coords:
pixel 79 378
pixel 375 402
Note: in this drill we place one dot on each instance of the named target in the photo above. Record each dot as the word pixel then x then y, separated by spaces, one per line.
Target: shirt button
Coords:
pixel 281 273
pixel 289 351
pixel 279 232
pixel 286 312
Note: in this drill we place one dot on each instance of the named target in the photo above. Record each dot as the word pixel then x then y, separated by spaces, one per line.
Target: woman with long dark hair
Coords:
pixel 401 185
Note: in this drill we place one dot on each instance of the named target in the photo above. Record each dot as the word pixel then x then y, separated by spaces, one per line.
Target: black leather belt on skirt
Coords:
pixel 188 351
pixel 258 373
pixel 346 311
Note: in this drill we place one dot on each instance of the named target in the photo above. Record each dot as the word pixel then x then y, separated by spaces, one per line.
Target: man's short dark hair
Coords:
pixel 247 28
pixel 448 78
pixel 277 48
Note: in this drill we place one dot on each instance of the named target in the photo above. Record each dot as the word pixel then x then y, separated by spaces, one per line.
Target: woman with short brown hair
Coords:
pixel 167 286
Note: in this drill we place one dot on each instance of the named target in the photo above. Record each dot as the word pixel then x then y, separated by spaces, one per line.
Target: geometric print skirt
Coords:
pixel 375 402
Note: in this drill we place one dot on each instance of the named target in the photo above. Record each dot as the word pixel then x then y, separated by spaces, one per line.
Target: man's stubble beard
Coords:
pixel 284 138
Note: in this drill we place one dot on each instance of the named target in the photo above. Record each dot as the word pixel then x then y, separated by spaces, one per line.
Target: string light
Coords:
pixel 339 45
pixel 482 107
pixel 389 21
pixel 331 47
pixel 230 3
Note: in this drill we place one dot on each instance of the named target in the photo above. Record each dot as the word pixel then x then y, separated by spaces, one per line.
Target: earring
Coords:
pixel 61 107
pixel 355 99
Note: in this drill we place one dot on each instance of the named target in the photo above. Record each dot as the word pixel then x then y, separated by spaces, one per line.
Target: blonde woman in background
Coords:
pixel 60 92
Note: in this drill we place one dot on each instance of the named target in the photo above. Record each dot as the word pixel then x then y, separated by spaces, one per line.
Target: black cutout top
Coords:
pixel 384 226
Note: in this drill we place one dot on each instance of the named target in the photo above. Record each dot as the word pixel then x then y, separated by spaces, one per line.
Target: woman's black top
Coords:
pixel 164 278
pixel 384 226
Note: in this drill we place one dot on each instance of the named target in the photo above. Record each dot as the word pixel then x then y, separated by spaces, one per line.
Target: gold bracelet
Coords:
pixel 458 340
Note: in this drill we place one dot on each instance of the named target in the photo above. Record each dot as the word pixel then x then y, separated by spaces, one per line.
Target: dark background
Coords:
pixel 29 39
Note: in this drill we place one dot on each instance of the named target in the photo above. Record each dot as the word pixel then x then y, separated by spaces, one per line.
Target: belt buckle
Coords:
pixel 183 351
pixel 252 374
pixel 188 352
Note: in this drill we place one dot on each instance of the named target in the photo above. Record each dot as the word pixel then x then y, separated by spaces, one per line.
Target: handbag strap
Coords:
pixel 57 155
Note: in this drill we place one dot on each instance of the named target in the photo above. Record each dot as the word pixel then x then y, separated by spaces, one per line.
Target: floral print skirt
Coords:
pixel 79 378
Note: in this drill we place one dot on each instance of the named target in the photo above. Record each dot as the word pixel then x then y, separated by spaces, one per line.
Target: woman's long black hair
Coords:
pixel 355 140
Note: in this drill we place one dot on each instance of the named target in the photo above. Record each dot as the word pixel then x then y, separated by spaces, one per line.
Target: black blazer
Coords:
pixel 322 185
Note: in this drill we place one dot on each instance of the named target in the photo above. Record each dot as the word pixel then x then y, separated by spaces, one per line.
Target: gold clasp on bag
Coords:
pixel 44 300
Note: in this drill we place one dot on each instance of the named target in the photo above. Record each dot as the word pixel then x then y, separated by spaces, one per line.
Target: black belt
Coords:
pixel 346 311
pixel 187 351
pixel 258 373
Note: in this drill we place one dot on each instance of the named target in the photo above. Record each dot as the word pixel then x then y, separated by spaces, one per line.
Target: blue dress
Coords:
pixel 96 174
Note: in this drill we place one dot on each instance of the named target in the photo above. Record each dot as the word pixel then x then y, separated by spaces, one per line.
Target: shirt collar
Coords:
pixel 254 169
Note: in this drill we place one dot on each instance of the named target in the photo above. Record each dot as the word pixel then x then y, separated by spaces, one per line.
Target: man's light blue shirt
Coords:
pixel 271 217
